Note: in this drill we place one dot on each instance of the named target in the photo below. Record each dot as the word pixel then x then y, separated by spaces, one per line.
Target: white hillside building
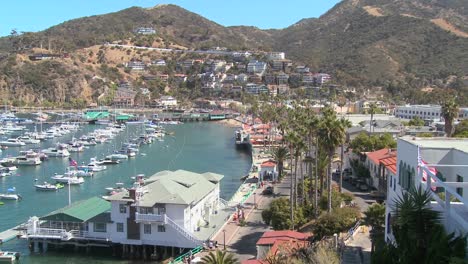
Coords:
pixel 442 167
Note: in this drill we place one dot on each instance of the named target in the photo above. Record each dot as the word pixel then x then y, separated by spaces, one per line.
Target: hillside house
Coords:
pixel 124 97
pixel 145 30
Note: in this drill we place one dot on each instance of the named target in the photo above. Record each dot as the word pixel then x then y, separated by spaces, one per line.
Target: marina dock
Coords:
pixel 9 234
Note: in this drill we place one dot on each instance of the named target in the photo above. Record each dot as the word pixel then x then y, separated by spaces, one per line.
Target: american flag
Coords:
pixel 422 164
pixel 72 162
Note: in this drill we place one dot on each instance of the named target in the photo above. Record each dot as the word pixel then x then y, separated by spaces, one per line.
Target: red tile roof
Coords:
pixel 269 238
pixel 268 163
pixel 376 156
pixel 390 163
pixel 254 261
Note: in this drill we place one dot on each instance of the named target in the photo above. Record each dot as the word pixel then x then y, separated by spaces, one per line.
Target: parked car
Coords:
pixel 363 187
pixel 268 190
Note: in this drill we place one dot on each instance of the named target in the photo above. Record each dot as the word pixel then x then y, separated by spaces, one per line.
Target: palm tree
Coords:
pixel 331 134
pixel 372 111
pixel 449 112
pixel 280 154
pixel 291 138
pixel 220 257
pixel 375 217
pixel 346 124
pixel 419 234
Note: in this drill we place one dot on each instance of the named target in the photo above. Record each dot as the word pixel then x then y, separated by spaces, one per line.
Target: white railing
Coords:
pixel 47 233
pixel 61 234
pixel 183 231
pixel 150 218
pixel 450 191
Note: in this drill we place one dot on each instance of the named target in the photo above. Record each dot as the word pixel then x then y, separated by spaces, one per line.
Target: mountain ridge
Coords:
pixel 363 43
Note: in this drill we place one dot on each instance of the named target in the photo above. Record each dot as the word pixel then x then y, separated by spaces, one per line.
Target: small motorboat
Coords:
pixel 48 186
pixel 118 156
pixel 72 180
pixel 9 256
pixel 12 142
pixel 10 195
pixel 109 161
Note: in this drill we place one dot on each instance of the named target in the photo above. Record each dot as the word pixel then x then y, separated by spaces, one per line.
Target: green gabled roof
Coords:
pixel 80 211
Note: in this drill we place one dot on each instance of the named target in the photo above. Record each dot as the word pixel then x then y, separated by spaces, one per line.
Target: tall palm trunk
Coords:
pixel 291 192
pixel 296 157
pixel 341 167
pixel 302 178
pixel 316 180
pixel 330 154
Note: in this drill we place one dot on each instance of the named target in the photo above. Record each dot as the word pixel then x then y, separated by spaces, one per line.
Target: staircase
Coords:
pixel 350 255
pixel 183 231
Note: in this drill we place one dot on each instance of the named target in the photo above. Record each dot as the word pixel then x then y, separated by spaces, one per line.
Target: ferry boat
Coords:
pixel 12 142
pixel 242 138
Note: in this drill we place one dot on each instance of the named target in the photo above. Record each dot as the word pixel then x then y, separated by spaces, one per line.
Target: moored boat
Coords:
pixel 48 186
pixel 12 142
pixel 9 256
pixel 72 180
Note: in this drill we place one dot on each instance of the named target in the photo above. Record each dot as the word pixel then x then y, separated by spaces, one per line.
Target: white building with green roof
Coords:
pixel 169 210
pixel 172 209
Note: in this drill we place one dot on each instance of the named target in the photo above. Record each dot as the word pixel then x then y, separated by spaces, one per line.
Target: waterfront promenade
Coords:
pixel 241 240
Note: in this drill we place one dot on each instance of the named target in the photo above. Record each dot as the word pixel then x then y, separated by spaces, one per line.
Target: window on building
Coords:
pixel 460 190
pixel 147 228
pixel 122 208
pixel 100 227
pixel 391 179
pixel 120 227
pixel 161 228
pixel 394 184
pixel 160 210
pixel 146 210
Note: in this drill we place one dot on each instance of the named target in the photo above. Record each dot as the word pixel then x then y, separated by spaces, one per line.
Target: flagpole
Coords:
pixel 69 193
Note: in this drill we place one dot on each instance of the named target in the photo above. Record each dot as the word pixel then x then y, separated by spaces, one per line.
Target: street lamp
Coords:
pixel 255 200
pixel 224 239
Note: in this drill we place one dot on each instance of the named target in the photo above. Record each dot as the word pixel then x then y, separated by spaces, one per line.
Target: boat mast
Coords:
pixel 69 193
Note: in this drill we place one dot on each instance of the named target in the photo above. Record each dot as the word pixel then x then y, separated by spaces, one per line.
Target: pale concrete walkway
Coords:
pixel 242 240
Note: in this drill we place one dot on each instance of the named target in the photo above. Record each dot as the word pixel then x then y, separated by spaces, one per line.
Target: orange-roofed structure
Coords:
pixel 268 171
pixel 278 242
pixel 380 163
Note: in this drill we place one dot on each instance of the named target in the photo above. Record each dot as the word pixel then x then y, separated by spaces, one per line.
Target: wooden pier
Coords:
pixel 9 234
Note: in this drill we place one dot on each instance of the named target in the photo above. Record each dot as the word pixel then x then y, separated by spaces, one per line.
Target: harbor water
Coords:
pixel 198 147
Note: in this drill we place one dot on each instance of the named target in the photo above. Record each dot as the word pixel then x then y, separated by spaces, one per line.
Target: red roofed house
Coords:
pixel 375 167
pixel 268 171
pixel 387 168
pixel 276 242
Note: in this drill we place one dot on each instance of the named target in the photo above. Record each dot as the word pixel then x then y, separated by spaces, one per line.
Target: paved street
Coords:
pixel 241 240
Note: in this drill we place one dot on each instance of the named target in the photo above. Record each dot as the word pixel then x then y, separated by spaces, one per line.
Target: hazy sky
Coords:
pixel 36 15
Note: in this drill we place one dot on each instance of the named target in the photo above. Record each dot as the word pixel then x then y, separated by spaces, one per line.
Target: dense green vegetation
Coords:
pixel 420 236
pixel 365 143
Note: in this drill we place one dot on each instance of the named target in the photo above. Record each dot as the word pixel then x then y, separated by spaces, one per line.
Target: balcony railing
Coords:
pixel 150 218
pixel 61 234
